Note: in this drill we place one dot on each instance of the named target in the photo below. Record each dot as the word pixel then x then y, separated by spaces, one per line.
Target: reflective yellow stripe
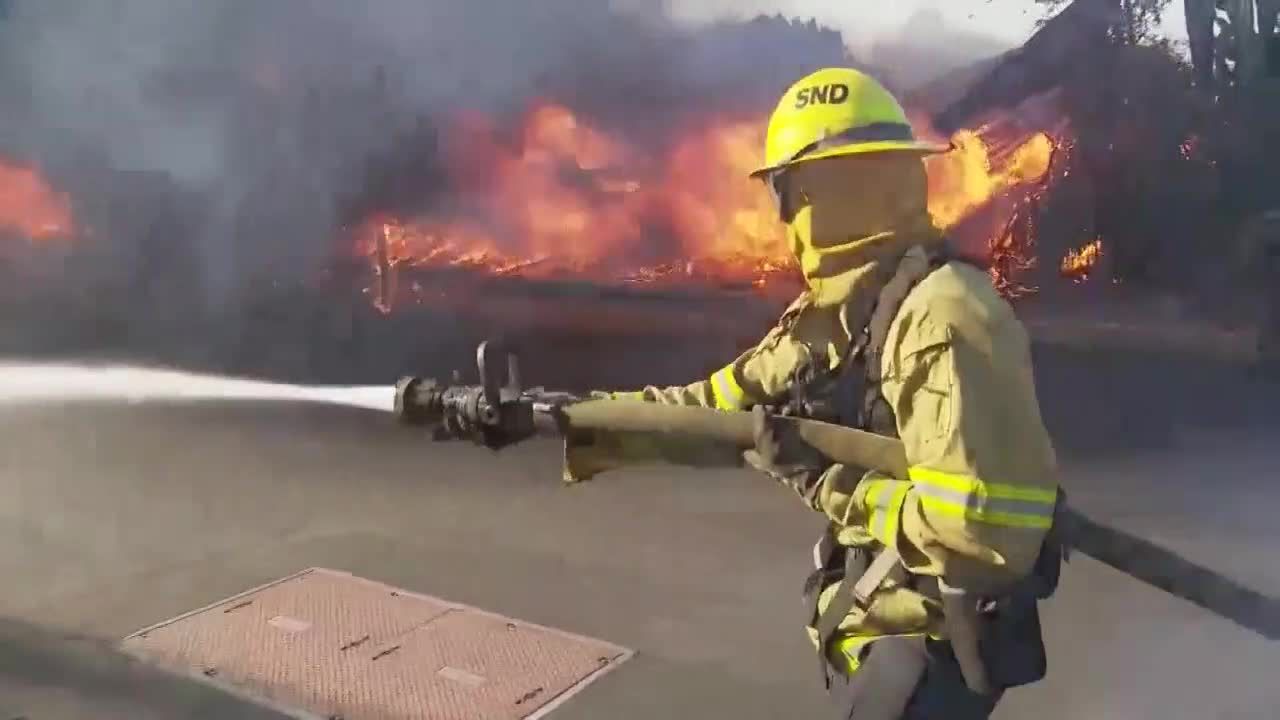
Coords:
pixel 633 395
pixel 850 648
pixel 990 503
pixel 870 500
pixel 989 517
pixel 725 390
pixel 892 513
pixel 973 486
pixel 884 508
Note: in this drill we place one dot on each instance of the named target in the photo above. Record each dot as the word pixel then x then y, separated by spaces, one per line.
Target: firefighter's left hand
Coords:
pixel 782 454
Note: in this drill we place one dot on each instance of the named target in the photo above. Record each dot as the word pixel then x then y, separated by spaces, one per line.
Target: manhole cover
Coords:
pixel 327 644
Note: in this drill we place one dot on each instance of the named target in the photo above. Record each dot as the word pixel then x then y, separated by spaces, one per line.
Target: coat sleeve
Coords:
pixel 804 334
pixel 981 488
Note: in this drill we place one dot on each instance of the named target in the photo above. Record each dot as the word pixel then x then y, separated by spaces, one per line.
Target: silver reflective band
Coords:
pixel 985 503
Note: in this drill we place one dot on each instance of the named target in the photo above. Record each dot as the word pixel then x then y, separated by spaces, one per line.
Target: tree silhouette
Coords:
pixel 1137 21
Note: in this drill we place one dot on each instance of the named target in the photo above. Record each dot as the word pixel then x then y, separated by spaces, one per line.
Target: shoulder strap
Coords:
pixel 877 416
pixel 847 391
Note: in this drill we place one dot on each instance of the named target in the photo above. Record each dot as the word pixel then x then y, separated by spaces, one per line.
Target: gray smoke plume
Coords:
pixel 268 110
pixel 214 151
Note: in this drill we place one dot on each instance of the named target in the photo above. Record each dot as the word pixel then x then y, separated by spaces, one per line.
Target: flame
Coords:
pixel 721 214
pixel 1078 264
pixel 980 168
pixel 553 194
pixel 1011 250
pixel 30 207
pixel 560 198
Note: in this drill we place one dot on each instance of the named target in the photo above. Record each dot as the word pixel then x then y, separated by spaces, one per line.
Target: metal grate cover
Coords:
pixel 325 644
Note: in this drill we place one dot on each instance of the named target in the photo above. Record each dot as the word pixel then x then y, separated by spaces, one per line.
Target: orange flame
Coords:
pixel 724 217
pixel 1078 264
pixel 565 198
pixel 30 207
pixel 979 169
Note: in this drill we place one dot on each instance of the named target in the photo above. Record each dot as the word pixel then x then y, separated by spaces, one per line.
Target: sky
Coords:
pixel 863 21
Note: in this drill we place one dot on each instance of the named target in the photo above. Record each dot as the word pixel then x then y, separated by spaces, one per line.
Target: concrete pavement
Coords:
pixel 113 518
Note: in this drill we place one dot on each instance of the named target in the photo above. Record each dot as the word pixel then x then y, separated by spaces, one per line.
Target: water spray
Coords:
pixel 36 383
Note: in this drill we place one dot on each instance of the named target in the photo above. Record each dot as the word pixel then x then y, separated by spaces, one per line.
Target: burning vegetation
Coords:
pixel 371 198
pixel 555 197
pixel 1080 262
pixel 559 197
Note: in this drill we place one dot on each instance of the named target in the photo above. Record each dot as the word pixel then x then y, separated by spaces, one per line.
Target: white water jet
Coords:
pixel 41 383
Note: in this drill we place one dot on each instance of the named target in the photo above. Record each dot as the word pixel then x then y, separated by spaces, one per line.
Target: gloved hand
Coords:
pixel 781 453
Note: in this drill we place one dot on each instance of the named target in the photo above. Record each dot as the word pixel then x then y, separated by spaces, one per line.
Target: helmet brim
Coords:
pixel 917 147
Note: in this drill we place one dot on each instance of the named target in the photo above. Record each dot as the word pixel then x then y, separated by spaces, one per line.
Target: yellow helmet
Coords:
pixel 833 112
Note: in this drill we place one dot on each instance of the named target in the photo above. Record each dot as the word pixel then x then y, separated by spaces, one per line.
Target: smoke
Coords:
pixel 908 44
pixel 926 47
pixel 215 151
pixel 269 111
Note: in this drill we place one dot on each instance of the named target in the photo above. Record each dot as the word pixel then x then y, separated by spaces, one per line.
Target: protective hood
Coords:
pixel 856 217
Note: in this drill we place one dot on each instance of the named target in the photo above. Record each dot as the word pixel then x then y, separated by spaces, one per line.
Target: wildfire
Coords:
pixel 561 198
pixel 29 206
pixel 981 167
pixel 1078 264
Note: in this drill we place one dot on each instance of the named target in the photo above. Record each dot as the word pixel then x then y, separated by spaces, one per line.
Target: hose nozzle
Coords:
pixel 418 401
pixel 491 413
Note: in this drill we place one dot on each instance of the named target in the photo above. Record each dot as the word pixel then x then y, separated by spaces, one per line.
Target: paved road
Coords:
pixel 113 518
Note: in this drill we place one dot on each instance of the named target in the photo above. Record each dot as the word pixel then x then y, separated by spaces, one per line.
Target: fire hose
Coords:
pixel 501 412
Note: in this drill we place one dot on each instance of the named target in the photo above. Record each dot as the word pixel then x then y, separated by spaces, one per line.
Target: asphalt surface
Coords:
pixel 113 518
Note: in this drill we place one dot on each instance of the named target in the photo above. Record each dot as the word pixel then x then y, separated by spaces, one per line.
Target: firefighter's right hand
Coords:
pixel 782 454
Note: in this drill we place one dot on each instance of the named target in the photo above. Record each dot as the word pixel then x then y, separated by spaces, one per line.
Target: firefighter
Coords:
pixel 923 600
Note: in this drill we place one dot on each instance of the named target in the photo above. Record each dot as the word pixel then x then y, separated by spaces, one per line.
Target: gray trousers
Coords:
pixel 908 679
